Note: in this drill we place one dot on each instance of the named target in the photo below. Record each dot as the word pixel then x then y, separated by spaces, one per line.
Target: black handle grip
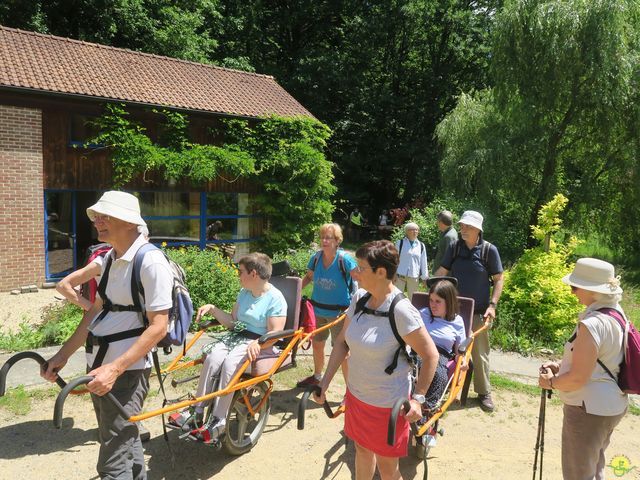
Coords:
pixel 62 396
pixel 302 406
pixel 401 404
pixel 273 335
pixel 16 358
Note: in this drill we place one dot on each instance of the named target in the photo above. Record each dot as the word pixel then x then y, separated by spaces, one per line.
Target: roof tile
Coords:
pixel 62 65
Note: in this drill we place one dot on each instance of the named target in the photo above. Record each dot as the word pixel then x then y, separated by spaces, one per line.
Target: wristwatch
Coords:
pixel 493 304
pixel 419 398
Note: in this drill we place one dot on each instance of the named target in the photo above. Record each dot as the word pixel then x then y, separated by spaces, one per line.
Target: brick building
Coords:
pixel 49 88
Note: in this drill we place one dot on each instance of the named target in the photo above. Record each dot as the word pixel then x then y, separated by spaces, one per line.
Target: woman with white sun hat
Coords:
pixel 586 376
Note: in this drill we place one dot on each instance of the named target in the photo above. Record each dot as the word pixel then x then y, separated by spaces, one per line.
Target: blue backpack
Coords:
pixel 181 312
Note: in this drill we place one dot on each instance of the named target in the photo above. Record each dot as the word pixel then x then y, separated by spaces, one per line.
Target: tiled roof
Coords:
pixel 53 64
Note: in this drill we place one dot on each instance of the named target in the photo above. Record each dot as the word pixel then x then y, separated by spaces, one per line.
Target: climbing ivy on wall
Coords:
pixel 284 156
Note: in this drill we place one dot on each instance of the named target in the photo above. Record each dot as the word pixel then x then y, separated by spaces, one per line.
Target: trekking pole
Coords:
pixel 540 435
pixel 544 414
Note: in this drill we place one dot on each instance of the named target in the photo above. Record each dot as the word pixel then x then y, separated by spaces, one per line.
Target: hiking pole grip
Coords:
pixel 302 406
pixel 62 396
pixel 16 358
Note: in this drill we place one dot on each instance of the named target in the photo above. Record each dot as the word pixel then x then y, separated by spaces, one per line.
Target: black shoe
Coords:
pixel 145 435
pixel 486 404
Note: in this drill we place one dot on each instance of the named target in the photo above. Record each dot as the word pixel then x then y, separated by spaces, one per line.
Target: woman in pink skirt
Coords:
pixel 379 373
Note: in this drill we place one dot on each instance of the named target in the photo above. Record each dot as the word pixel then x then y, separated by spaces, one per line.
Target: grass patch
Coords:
pixel 59 321
pixel 17 401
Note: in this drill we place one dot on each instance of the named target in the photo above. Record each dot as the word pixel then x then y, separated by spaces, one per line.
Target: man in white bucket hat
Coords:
pixel 476 264
pixel 117 342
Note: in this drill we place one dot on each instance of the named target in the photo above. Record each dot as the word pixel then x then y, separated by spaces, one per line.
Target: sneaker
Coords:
pixel 185 420
pixel 486 404
pixel 209 433
pixel 145 435
pixel 305 382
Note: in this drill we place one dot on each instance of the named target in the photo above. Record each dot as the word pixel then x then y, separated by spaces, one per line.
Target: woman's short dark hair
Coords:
pixel 259 262
pixel 380 253
pixel 448 292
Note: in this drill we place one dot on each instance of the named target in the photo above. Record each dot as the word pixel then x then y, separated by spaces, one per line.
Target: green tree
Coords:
pixel 562 114
pixel 380 74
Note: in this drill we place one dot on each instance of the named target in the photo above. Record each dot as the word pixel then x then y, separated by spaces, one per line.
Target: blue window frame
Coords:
pixel 176 218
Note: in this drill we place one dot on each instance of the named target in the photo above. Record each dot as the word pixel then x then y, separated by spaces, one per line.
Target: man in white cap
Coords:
pixel 413 260
pixel 117 341
pixel 476 264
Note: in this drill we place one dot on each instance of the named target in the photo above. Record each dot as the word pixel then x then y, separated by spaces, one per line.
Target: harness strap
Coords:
pixel 326 306
pixel 103 343
pixel 361 308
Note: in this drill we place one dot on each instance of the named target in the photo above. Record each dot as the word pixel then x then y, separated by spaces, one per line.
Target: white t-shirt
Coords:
pixel 157 280
pixel 601 394
pixel 372 346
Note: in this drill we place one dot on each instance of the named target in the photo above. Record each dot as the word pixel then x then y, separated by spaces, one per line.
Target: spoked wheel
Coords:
pixel 244 424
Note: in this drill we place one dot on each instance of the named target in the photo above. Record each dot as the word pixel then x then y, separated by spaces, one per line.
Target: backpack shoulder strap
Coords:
pixel 456 250
pixel 484 254
pixel 400 247
pixel 394 328
pixel 316 259
pixel 362 301
pixel 137 289
pixel 104 279
pixel 612 312
pixel 343 270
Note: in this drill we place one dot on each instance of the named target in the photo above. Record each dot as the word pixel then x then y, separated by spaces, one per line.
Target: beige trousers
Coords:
pixel 585 437
pixel 480 357
pixel 409 282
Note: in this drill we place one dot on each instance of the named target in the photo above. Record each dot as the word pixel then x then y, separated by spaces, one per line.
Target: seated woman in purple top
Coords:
pixel 447 330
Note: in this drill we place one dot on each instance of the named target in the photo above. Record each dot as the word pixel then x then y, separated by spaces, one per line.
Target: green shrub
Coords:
pixel 536 308
pixel 298 259
pixel 211 277
pixel 59 321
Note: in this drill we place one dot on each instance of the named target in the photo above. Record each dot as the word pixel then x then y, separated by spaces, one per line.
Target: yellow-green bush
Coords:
pixel 536 308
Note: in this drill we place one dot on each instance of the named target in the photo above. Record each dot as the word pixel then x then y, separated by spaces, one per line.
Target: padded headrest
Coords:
pixel 291 288
pixel 280 269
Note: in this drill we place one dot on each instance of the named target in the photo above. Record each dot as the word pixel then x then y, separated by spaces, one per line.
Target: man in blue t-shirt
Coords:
pixel 330 272
pixel 465 261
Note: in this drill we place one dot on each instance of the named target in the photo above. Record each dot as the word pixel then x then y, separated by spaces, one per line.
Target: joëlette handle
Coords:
pixel 402 404
pixel 21 356
pixel 302 406
pixel 62 396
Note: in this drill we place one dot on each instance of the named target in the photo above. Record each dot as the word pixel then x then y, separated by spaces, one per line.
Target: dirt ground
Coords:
pixel 26 307
pixel 475 445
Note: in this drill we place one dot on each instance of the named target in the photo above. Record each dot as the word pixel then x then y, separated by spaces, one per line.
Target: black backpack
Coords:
pixel 485 247
pixel 361 308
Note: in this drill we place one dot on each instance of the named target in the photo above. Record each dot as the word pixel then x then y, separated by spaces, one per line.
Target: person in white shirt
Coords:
pixel 586 377
pixel 122 365
pixel 413 260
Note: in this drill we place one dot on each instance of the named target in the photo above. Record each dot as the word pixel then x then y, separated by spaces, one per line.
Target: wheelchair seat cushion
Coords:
pixel 266 360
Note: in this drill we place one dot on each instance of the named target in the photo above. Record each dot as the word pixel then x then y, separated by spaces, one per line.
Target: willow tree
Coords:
pixel 562 115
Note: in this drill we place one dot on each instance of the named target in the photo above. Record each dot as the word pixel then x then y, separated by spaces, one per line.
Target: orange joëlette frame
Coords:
pixel 457 383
